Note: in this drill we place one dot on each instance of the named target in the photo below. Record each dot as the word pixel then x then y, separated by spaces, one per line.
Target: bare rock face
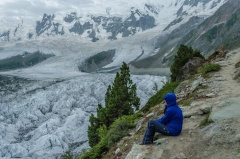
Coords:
pixel 190 67
pixel 196 83
pixel 231 109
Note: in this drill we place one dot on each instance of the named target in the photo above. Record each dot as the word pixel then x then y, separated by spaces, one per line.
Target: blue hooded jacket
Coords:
pixel 173 117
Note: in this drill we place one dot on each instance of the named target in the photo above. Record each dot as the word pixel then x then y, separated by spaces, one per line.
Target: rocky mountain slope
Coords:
pixel 206 35
pixel 211 120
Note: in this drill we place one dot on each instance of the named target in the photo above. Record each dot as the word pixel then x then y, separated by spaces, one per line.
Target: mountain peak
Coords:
pixel 110 20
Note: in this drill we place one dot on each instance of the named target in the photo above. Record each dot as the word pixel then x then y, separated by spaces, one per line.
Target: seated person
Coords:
pixel 170 124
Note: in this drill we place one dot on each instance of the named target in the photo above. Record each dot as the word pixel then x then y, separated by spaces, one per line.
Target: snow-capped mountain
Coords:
pixel 204 34
pixel 130 28
pixel 110 19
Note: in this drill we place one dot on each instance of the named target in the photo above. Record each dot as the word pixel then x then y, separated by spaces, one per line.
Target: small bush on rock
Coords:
pixel 211 68
pixel 120 128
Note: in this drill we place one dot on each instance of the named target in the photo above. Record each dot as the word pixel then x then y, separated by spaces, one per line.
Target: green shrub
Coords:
pixel 118 129
pixel 158 97
pixel 97 150
pixel 237 65
pixel 211 68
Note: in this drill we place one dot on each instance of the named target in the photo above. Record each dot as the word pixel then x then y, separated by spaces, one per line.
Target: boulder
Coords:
pixel 191 67
pixel 181 87
pixel 206 109
pixel 196 83
pixel 144 151
pixel 210 95
pixel 188 114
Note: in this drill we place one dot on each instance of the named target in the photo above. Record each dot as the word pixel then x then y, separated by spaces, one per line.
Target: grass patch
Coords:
pixel 237 65
pixel 211 68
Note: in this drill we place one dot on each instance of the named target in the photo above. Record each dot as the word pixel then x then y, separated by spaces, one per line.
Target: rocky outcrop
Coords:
pixel 191 66
pixel 97 62
pixel 230 109
pixel 45 24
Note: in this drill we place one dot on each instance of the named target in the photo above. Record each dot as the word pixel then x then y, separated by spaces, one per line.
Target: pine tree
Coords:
pixel 93 137
pixel 120 99
pixel 96 123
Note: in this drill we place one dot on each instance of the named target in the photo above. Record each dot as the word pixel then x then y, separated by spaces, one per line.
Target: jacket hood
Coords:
pixel 171 99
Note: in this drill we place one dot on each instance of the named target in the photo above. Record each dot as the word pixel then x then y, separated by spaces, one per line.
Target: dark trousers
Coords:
pixel 152 127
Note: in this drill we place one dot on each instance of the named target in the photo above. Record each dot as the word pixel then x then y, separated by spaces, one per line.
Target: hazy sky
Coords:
pixel 21 9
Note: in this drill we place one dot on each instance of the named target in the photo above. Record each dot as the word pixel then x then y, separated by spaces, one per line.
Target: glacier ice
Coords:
pixel 43 119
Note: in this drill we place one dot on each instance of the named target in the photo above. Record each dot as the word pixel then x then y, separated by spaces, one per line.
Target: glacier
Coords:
pixel 44 119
